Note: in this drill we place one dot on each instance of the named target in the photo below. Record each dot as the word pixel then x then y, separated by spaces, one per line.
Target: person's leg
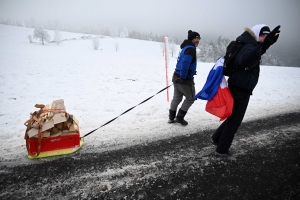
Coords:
pixel 233 122
pixel 172 115
pixel 189 93
pixel 177 97
pixel 218 132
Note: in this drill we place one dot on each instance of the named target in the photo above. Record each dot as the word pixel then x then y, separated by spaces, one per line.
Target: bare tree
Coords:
pixel 172 48
pixel 42 34
pixel 162 47
pixel 57 37
pixel 95 43
pixel 117 46
pixel 30 38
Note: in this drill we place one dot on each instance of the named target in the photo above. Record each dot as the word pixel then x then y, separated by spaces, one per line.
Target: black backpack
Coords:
pixel 231 52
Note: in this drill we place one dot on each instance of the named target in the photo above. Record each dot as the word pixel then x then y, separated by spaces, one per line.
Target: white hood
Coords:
pixel 256 29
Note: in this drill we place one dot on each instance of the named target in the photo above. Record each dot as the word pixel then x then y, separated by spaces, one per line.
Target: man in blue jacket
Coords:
pixel 243 81
pixel 183 78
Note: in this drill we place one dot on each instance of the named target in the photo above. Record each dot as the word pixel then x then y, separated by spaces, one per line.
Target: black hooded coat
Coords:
pixel 246 65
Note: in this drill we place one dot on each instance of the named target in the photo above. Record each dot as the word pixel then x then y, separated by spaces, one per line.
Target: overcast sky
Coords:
pixel 211 18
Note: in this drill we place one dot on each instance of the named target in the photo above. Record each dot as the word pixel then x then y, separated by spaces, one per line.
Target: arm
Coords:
pixel 249 55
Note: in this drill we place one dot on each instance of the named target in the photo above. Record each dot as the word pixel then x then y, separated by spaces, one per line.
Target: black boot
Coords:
pixel 172 115
pixel 180 116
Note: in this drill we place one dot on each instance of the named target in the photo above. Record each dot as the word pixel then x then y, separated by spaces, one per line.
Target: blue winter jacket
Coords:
pixel 187 61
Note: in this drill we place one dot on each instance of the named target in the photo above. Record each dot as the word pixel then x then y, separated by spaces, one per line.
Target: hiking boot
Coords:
pixel 181 121
pixel 180 116
pixel 172 115
pixel 170 121
pixel 214 143
pixel 224 155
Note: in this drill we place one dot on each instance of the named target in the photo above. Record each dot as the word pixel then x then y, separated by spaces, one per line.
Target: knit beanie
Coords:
pixel 192 35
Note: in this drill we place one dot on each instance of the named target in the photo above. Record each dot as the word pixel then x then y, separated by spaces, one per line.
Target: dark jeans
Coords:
pixel 226 131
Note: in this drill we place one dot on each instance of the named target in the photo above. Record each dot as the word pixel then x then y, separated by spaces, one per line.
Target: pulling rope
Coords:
pixel 126 111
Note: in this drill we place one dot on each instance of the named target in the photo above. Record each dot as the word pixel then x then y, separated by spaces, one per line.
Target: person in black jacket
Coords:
pixel 183 78
pixel 243 81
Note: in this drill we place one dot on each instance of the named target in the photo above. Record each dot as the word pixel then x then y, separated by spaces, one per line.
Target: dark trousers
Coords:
pixel 181 90
pixel 225 133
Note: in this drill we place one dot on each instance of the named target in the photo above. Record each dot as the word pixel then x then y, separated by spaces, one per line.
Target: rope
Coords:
pixel 126 111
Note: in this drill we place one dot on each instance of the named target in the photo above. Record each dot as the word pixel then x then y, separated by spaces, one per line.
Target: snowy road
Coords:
pixel 266 166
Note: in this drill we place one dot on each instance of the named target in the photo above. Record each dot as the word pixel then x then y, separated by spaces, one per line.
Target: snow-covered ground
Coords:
pixel 99 85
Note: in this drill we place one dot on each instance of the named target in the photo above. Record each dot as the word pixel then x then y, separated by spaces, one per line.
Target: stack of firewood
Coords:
pixel 51 120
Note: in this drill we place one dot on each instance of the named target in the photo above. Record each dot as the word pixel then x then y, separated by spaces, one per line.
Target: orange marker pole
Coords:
pixel 167 64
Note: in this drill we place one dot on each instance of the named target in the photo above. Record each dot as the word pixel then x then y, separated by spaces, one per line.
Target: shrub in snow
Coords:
pixel 57 37
pixel 95 43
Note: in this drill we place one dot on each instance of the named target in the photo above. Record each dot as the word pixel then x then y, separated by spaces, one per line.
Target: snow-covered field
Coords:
pixel 99 85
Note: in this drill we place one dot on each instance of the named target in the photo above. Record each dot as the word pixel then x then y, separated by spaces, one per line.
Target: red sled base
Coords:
pixel 54 146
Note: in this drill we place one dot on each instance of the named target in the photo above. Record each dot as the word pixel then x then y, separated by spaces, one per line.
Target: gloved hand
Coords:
pixel 271 38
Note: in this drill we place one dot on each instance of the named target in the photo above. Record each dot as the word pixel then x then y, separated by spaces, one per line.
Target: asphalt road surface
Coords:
pixel 266 165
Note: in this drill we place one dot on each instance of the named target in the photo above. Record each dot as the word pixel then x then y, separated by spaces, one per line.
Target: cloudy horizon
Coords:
pixel 170 17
